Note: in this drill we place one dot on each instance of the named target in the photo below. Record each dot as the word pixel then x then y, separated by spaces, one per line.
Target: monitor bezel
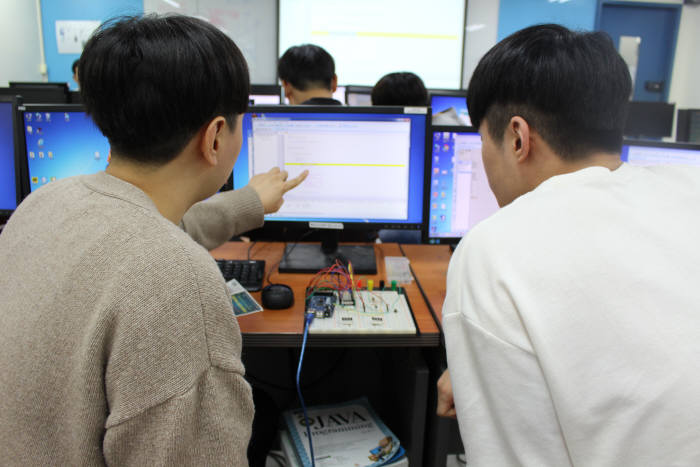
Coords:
pixel 397 110
pixel 447 93
pixel 15 102
pixel 426 238
pixel 661 144
pixel 22 143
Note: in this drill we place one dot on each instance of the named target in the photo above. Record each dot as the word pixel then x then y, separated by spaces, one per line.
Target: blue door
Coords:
pixel 656 26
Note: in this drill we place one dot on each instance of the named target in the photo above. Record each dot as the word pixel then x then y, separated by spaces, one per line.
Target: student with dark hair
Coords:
pixel 400 88
pixel 308 75
pixel 571 318
pixel 74 67
pixel 118 343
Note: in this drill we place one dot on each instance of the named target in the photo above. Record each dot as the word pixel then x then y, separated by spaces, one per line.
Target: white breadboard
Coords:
pixel 384 312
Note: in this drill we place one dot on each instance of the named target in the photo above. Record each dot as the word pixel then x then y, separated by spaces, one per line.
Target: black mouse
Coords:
pixel 277 296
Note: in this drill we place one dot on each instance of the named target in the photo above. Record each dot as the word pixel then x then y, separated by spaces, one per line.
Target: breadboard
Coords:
pixel 384 312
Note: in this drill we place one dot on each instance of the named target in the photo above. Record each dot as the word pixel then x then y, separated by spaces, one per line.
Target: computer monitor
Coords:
pixel 649 120
pixel 38 95
pixel 366 171
pixel 58 141
pixel 449 107
pixel 688 125
pixel 458 193
pixel 265 94
pixel 8 168
pixel 358 96
pixel 658 153
pixel 339 94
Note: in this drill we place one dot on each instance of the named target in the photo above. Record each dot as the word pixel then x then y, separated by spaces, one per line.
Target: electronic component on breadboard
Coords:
pixel 346 298
pixel 322 304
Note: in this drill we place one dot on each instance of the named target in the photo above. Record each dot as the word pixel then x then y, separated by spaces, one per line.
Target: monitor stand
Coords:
pixel 312 257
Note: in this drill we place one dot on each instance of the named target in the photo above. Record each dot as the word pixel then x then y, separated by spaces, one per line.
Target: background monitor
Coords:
pixel 38 95
pixel 449 107
pixel 339 94
pixel 59 141
pixel 8 172
pixel 358 96
pixel 658 153
pixel 265 94
pixel 649 119
pixel 366 169
pixel 458 194
pixel 688 125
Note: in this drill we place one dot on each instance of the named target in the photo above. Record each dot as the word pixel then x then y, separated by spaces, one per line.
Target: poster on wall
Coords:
pixel 72 35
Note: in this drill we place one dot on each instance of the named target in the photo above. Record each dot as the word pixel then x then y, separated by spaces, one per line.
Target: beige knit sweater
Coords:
pixel 118 344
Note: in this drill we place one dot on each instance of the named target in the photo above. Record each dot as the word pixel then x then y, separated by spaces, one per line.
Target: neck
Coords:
pixel 163 184
pixel 303 96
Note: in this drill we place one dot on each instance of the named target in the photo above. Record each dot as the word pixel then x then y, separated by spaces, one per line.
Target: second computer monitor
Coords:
pixel 265 94
pixel 458 193
pixel 647 153
pixel 449 107
pixel 366 167
pixel 358 96
pixel 59 141
pixel 8 177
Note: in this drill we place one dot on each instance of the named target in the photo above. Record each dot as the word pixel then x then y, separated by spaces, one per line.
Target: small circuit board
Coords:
pixel 322 303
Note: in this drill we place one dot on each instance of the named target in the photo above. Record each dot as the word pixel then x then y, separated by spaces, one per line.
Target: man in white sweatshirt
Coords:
pixel 572 316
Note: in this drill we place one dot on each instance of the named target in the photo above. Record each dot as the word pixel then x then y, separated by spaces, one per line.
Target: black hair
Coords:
pixel 307 67
pixel 400 88
pixel 571 87
pixel 151 82
pixel 74 67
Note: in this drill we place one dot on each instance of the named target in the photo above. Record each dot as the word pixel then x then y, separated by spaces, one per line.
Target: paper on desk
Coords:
pixel 243 303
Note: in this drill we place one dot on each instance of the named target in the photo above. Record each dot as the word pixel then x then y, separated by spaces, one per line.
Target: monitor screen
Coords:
pixel 8 189
pixel 459 194
pixel 364 167
pixel 60 142
pixel 657 153
pixel 449 110
pixel 358 99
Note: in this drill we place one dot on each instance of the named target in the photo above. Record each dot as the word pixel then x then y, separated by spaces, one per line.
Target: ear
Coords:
pixel 519 131
pixel 211 140
pixel 288 90
pixel 334 83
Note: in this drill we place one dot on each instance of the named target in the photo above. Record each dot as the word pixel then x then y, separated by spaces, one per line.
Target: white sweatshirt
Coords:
pixel 572 323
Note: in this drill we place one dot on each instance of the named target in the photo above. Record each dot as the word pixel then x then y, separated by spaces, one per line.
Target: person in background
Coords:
pixel 308 75
pixel 118 343
pixel 400 88
pixel 74 67
pixel 571 317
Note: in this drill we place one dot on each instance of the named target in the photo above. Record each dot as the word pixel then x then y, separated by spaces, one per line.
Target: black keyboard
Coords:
pixel 249 273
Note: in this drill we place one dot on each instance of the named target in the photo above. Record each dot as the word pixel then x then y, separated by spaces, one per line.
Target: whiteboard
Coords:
pixel 370 38
pixel 252 24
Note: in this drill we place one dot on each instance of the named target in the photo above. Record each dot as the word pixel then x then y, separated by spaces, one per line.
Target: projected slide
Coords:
pixel 370 38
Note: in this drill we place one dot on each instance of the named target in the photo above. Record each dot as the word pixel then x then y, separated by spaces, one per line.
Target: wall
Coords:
pixel 685 91
pixel 59 65
pixel 18 25
pixel 518 14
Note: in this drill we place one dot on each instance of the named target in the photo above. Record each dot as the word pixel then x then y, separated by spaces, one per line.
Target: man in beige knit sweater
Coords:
pixel 118 343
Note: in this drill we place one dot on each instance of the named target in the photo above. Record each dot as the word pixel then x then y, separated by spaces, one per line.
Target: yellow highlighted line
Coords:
pixel 403 35
pixel 344 165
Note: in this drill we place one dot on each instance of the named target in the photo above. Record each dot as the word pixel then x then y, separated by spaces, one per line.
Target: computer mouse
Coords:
pixel 277 296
